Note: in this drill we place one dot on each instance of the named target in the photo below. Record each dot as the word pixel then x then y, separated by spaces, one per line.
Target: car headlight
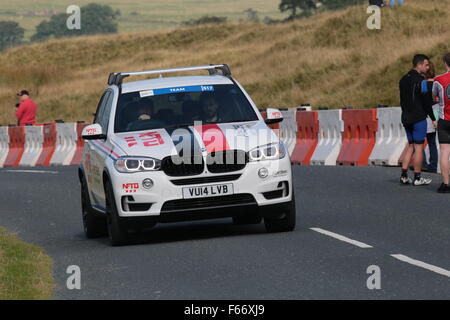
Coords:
pixel 137 164
pixel 273 151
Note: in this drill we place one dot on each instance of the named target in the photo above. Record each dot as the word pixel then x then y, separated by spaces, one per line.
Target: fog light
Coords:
pixel 147 183
pixel 263 173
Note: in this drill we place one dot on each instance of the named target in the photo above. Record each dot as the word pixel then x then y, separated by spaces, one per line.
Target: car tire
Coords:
pixel 284 224
pixel 116 230
pixel 94 225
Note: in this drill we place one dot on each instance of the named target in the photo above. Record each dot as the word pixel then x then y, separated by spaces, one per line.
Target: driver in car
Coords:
pixel 144 117
pixel 145 110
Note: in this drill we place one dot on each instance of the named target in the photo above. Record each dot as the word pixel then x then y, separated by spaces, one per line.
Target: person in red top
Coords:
pixel 441 93
pixel 26 111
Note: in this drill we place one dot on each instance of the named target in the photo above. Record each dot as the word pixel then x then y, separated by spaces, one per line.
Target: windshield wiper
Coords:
pixel 179 125
pixel 237 121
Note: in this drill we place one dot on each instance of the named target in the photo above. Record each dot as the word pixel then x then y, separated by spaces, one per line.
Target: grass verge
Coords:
pixel 25 270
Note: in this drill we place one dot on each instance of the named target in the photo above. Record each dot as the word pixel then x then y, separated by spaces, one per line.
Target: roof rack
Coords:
pixel 116 78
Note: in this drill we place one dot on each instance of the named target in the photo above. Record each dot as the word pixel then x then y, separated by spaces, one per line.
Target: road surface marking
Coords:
pixel 31 171
pixel 421 264
pixel 342 238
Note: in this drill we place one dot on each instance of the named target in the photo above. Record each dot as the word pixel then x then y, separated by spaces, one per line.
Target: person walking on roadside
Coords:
pixel 26 111
pixel 414 114
pixel 427 87
pixel 441 93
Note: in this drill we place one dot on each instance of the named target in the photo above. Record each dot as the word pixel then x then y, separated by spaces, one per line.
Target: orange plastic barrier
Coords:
pixel 49 145
pixel 76 160
pixel 307 137
pixel 359 137
pixel 16 146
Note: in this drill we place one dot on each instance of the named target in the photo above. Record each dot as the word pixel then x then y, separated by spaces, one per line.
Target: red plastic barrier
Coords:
pixel 16 146
pixel 49 145
pixel 76 160
pixel 359 137
pixel 307 137
pixel 275 126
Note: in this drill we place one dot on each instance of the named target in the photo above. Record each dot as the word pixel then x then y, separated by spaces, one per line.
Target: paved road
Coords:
pixel 216 260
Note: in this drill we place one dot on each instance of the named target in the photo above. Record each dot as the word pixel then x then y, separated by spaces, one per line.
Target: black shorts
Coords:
pixel 444 131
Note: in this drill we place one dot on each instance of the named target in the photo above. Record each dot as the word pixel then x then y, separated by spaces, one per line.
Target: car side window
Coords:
pixel 104 110
pixel 100 107
pixel 104 119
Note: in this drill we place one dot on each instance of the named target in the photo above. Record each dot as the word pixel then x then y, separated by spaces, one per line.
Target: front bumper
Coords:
pixel 250 190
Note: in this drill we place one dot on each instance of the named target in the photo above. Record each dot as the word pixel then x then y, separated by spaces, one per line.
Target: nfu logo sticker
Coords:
pixel 130 187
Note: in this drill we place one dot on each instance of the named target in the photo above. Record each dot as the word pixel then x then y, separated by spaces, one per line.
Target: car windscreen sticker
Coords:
pixel 146 93
pixel 182 89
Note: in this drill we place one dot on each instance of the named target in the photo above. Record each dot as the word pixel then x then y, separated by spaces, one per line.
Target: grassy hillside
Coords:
pixel 331 59
pixel 141 15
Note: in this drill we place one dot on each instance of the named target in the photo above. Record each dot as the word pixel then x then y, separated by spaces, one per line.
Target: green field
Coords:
pixel 142 15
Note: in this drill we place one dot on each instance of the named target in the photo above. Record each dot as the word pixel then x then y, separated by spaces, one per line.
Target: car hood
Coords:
pixel 160 143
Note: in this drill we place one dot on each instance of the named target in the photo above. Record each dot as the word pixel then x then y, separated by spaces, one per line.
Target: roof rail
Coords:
pixel 116 78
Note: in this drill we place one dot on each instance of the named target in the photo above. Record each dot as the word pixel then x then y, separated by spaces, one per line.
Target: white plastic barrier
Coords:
pixel 66 144
pixel 330 138
pixel 391 138
pixel 4 144
pixel 288 129
pixel 34 139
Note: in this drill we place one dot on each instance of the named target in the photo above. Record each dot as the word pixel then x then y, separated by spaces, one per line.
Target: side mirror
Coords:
pixel 273 116
pixel 93 132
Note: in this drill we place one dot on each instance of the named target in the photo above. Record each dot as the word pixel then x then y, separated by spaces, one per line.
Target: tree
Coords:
pixel 338 4
pixel 11 34
pixel 298 7
pixel 252 15
pixel 304 8
pixel 95 19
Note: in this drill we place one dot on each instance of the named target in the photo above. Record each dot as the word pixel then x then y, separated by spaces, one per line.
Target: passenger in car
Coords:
pixel 210 109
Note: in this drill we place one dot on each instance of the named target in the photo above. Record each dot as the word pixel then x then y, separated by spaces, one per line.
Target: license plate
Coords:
pixel 207 191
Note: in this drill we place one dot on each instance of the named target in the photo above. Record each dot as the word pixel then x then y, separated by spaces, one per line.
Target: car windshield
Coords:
pixel 182 106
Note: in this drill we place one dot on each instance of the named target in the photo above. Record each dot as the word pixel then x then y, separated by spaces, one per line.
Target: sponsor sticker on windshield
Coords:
pixel 146 93
pixel 156 92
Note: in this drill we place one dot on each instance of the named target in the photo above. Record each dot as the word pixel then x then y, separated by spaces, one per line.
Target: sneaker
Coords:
pixel 405 180
pixel 422 181
pixel 444 188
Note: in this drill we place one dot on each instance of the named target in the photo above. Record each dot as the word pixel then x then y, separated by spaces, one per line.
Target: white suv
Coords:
pixel 173 149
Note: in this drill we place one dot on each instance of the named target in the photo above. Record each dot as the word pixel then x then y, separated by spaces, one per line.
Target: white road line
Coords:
pixel 342 238
pixel 421 264
pixel 31 171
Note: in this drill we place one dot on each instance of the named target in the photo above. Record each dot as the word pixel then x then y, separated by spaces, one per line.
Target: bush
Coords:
pixel 205 20
pixel 11 34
